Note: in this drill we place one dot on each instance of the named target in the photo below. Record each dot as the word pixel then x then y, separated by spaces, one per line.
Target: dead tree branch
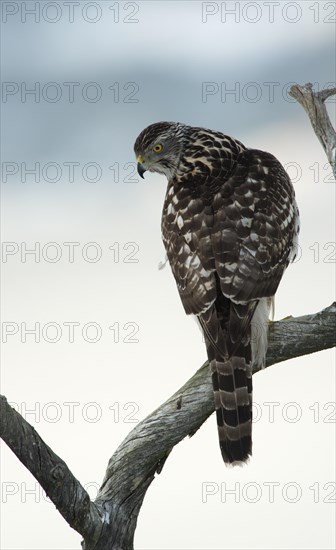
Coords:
pixel 65 491
pixel 110 521
pixel 314 105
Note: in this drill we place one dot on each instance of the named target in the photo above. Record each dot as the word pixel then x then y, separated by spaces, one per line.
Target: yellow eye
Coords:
pixel 157 148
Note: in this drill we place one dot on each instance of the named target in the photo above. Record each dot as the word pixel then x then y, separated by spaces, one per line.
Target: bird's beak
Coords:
pixel 140 166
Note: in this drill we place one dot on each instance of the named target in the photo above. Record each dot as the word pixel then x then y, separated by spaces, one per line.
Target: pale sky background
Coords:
pixel 159 55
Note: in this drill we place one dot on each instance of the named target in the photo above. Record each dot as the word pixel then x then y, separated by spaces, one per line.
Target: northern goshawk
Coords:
pixel 229 225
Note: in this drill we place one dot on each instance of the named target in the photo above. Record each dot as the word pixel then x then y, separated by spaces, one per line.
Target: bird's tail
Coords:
pixel 232 385
pixel 228 343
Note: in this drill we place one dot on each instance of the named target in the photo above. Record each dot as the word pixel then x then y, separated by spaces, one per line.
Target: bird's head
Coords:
pixel 158 148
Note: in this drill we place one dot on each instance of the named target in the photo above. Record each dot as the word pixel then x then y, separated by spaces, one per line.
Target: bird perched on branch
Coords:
pixel 229 225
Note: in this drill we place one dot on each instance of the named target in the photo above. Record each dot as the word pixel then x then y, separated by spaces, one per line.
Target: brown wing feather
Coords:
pixel 255 221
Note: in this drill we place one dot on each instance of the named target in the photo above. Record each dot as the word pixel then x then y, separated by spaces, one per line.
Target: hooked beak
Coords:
pixel 140 166
pixel 141 169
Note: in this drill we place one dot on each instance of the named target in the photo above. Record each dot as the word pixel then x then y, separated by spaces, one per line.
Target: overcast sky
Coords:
pixel 79 84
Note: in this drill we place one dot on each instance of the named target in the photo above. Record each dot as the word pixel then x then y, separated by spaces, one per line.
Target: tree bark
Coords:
pixel 313 104
pixel 110 521
pixel 63 489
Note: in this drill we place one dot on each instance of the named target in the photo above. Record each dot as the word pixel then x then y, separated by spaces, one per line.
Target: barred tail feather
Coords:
pixel 232 384
pixel 227 331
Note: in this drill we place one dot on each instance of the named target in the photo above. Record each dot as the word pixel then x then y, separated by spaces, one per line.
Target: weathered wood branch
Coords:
pixel 110 521
pixel 314 105
pixel 132 467
pixel 65 491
